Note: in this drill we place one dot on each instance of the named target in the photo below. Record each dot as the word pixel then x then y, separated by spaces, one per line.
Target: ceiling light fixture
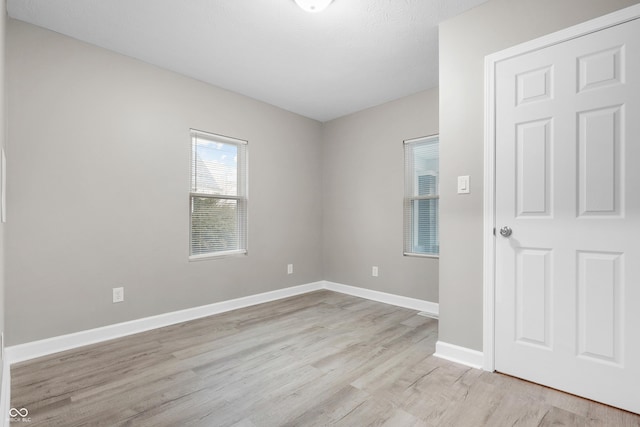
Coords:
pixel 313 5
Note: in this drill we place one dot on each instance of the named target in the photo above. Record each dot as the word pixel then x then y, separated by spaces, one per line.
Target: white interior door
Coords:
pixel 568 186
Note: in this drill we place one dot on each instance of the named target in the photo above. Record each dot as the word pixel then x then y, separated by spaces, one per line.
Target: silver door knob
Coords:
pixel 505 231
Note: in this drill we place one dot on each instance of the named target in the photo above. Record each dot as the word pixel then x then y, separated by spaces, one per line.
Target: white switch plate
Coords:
pixel 118 294
pixel 374 271
pixel 289 268
pixel 463 184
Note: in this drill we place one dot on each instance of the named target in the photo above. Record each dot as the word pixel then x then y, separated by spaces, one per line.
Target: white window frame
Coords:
pixel 412 175
pixel 241 197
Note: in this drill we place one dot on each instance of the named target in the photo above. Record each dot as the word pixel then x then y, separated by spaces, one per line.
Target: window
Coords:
pixel 422 181
pixel 218 197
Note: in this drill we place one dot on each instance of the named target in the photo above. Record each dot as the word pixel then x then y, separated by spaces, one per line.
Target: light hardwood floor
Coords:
pixel 317 359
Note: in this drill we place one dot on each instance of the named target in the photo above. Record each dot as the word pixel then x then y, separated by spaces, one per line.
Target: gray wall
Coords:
pixel 464 42
pixel 99 187
pixel 363 185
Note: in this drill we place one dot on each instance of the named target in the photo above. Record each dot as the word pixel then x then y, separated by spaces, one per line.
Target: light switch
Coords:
pixel 463 184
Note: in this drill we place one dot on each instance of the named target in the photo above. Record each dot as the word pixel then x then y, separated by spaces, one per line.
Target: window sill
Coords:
pixel 435 256
pixel 217 255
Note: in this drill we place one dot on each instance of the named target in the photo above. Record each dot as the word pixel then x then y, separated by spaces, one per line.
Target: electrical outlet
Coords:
pixel 289 268
pixel 374 271
pixel 118 294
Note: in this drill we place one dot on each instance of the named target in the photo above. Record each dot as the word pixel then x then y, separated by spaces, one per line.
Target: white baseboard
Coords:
pixel 5 393
pixel 34 349
pixel 31 350
pixel 462 355
pixel 431 308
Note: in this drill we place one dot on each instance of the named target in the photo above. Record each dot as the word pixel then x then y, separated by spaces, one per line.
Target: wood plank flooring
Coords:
pixel 317 359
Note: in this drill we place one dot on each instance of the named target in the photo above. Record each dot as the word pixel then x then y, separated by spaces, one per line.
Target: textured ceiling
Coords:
pixel 354 55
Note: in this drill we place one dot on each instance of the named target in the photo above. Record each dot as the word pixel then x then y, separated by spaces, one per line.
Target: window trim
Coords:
pixel 407 200
pixel 240 199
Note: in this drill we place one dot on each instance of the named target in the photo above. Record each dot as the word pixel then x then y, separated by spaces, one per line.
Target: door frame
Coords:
pixel 489 234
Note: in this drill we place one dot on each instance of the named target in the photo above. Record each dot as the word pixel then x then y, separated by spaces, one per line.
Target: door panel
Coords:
pixel 568 185
pixel 533 152
pixel 600 292
pixel 533 291
pixel 599 163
